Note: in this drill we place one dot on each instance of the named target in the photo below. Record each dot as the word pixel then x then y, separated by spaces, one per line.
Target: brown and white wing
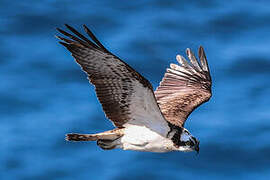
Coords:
pixel 183 88
pixel 125 95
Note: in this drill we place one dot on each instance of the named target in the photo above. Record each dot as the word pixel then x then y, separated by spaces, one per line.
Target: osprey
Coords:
pixel 145 120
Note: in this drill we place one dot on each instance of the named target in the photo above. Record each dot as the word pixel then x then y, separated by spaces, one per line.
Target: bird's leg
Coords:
pixel 108 144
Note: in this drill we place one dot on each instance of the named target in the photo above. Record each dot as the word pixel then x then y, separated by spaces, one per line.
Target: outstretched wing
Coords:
pixel 125 95
pixel 183 88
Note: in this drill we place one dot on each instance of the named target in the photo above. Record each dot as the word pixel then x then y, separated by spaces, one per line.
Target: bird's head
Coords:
pixel 188 142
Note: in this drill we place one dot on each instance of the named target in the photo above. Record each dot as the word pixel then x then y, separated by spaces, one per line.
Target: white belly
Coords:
pixel 141 138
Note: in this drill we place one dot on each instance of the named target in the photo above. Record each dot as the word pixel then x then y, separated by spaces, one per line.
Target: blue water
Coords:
pixel 44 94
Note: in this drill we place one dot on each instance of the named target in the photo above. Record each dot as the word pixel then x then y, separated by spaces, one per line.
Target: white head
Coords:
pixel 188 142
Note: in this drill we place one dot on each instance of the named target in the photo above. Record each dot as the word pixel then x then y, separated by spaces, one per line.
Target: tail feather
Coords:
pixel 81 137
pixel 107 135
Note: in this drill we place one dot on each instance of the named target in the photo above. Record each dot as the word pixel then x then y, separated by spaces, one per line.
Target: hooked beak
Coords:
pixel 197 148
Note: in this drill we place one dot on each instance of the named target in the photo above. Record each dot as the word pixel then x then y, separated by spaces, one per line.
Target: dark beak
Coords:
pixel 197 149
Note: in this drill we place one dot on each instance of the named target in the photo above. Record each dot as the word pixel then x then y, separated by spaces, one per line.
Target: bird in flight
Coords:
pixel 144 119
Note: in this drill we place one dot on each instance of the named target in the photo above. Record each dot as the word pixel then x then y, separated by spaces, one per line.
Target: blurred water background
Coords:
pixel 44 94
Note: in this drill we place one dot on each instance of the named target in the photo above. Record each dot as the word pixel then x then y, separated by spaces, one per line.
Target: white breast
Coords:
pixel 141 138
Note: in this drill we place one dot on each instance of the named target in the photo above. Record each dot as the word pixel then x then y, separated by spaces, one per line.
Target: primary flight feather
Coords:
pixel 145 120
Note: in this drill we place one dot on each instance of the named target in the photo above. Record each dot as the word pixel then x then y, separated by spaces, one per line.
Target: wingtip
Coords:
pixel 68 26
pixel 85 27
pixel 64 39
pixel 58 29
pixel 181 60
pixel 61 31
pixel 93 37
pixel 87 30
pixel 203 59
pixel 57 37
pixel 64 44
pixel 201 50
pixel 178 58
pixel 188 51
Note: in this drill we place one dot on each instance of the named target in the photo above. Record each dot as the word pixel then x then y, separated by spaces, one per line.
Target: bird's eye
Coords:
pixel 188 143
